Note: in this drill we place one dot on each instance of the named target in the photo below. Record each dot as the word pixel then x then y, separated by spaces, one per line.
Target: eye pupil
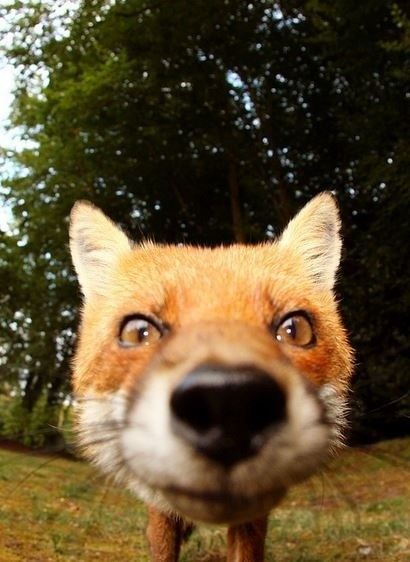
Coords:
pixel 142 333
pixel 291 328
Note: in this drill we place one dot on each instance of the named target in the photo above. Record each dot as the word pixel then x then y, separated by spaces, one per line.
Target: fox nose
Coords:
pixel 227 414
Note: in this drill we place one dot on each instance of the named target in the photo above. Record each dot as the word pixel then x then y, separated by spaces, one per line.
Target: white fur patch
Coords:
pixel 137 446
pixel 96 245
pixel 314 234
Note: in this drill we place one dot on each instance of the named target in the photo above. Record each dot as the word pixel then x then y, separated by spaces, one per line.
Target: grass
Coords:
pixel 55 509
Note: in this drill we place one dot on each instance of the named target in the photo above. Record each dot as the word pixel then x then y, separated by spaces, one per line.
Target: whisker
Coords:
pixel 386 457
pixel 106 399
pixel 84 443
pixel 386 405
pixel 341 491
pixel 32 472
pixel 102 435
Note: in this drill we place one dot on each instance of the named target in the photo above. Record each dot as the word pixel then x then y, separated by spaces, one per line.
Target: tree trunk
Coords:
pixel 32 390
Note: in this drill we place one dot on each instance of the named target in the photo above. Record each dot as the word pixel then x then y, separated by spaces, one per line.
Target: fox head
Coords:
pixel 209 380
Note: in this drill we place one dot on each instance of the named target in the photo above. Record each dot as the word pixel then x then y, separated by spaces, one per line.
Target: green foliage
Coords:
pixel 208 122
pixel 42 426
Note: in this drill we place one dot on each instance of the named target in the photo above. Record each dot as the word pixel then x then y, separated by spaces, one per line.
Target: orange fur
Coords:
pixel 220 306
pixel 165 534
pixel 255 286
pixel 246 541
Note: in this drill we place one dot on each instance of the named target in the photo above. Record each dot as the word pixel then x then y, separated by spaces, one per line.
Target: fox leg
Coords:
pixel 246 542
pixel 165 534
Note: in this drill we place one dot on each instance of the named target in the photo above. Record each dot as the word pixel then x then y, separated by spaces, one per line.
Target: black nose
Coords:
pixel 227 414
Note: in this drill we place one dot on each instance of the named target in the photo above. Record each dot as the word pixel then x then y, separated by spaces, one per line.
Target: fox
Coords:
pixel 210 380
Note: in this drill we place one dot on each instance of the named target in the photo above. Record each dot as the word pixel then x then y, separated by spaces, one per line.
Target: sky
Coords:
pixel 7 139
pixel 6 97
pixel 10 139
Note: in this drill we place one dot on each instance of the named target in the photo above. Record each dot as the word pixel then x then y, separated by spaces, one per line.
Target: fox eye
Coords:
pixel 139 330
pixel 296 329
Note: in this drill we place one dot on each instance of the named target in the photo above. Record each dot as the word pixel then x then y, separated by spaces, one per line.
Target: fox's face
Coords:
pixel 210 380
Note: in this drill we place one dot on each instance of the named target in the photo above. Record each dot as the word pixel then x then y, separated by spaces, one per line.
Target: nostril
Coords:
pixel 266 404
pixel 227 414
pixel 191 405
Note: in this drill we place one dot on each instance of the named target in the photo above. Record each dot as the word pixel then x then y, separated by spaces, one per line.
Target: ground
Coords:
pixel 54 509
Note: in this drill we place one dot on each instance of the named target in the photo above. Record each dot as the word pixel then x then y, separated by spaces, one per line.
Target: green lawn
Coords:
pixel 59 509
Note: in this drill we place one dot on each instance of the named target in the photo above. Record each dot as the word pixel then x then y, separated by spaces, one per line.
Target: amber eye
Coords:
pixel 139 330
pixel 296 330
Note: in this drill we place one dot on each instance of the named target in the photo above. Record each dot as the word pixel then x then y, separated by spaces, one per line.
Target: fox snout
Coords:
pixel 226 414
pixel 218 403
pixel 210 380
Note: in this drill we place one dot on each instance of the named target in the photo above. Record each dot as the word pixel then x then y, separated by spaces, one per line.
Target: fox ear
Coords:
pixel 96 243
pixel 314 234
